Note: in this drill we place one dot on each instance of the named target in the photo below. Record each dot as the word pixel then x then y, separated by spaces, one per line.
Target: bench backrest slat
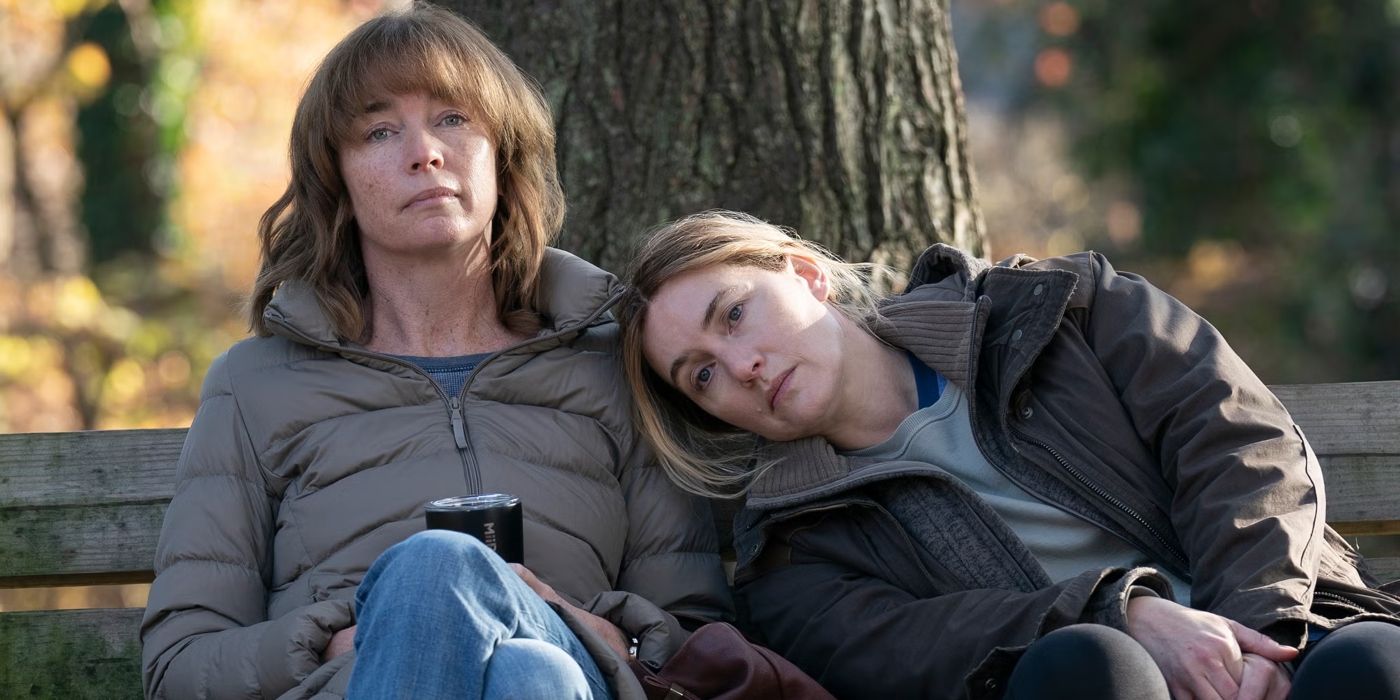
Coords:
pixel 71 654
pixel 1362 493
pixel 1385 568
pixel 83 508
pixel 1355 418
pixel 1355 430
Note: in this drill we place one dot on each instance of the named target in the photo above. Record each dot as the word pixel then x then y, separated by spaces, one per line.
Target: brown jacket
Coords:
pixel 1095 391
pixel 310 456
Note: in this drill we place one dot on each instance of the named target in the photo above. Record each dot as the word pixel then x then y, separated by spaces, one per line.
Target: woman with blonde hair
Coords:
pixel 417 339
pixel 1035 479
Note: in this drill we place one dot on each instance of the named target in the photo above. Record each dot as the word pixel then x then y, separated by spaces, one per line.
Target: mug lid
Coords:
pixel 480 501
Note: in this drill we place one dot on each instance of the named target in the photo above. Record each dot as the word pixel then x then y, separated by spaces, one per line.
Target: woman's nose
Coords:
pixel 425 152
pixel 746 365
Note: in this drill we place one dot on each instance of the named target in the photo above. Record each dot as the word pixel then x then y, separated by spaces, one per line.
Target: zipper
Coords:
pixel 471 470
pixel 1338 599
pixel 459 429
pixel 1335 600
pixel 1108 498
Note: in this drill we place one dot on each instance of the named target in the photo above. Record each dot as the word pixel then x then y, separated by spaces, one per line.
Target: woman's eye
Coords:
pixel 703 377
pixel 454 120
pixel 378 134
pixel 736 312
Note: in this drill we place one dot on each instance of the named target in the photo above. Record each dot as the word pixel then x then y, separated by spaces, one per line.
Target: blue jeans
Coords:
pixel 441 616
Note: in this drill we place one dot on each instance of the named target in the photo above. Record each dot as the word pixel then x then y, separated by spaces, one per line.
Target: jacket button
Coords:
pixel 1038 289
pixel 1016 335
pixel 1027 412
pixel 990 684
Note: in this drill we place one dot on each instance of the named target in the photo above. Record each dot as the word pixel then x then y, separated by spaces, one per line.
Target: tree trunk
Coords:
pixel 123 215
pixel 43 236
pixel 40 235
pixel 841 119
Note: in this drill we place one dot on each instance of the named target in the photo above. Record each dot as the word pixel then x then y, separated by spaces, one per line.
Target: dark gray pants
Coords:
pixel 1093 662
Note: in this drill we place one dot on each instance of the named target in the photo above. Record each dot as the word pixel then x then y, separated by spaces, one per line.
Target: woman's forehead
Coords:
pixel 694 299
pixel 688 288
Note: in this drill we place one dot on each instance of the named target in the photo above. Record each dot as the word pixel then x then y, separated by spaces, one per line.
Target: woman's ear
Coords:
pixel 813 274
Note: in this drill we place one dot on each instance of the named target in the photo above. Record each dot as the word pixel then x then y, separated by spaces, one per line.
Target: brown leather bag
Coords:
pixel 717 663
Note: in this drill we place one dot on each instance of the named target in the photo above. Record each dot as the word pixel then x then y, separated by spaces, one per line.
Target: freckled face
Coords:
pixel 421 177
pixel 758 349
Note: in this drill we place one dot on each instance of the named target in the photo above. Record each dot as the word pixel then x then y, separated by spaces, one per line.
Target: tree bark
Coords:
pixel 841 119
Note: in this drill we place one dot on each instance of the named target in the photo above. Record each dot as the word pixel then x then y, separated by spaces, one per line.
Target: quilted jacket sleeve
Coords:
pixel 205 632
pixel 671 577
pixel 1249 500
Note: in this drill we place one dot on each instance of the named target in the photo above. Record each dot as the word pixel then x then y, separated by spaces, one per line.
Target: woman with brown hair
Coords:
pixel 417 339
pixel 1035 479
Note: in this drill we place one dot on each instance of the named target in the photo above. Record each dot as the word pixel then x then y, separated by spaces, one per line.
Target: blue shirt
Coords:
pixel 450 373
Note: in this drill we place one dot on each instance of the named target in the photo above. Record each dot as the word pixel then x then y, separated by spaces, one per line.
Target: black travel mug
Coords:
pixel 493 518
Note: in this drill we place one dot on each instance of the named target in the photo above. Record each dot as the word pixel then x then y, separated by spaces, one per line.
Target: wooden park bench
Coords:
pixel 85 509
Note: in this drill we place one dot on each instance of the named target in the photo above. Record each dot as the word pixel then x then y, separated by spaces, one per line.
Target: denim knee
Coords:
pixel 445 544
pixel 532 669
pixel 432 560
pixel 1086 661
pixel 444 553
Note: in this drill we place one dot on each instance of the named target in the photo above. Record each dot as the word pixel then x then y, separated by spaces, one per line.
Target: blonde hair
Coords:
pixel 699 452
pixel 310 234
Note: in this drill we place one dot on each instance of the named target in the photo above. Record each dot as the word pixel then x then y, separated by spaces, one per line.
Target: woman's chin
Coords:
pixel 783 434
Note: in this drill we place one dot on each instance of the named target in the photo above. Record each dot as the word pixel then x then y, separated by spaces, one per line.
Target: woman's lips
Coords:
pixel 430 195
pixel 777 393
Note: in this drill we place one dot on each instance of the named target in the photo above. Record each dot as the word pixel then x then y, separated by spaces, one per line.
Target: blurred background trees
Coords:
pixel 1244 155
pixel 141 139
pixel 93 102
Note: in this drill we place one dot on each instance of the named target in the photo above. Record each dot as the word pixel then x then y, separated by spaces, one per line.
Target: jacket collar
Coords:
pixel 948 270
pixel 572 292
pixel 939 317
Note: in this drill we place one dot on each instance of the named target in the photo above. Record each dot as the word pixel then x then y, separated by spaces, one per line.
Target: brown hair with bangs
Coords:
pixel 309 234
pixel 699 452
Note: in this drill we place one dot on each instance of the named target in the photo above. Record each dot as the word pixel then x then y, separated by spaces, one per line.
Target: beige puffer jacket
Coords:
pixel 310 456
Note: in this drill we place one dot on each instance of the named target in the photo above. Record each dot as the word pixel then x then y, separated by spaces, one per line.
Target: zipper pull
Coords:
pixel 459 430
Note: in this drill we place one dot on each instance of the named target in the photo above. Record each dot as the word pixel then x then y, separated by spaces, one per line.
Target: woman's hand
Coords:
pixel 341 642
pixel 1203 655
pixel 610 633
pixel 1263 679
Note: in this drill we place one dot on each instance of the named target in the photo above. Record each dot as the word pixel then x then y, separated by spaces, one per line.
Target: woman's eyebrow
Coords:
pixel 721 295
pixel 676 367
pixel 715 303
